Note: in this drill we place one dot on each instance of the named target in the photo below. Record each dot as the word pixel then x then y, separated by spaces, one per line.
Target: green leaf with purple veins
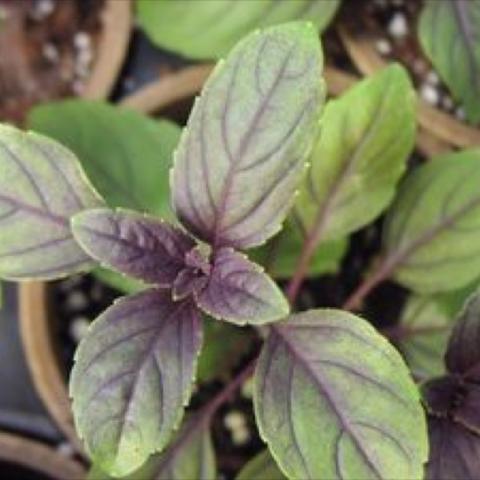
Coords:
pixel 240 292
pixel 137 245
pixel 367 136
pixel 132 377
pixel 333 399
pixel 432 232
pixel 449 34
pixel 243 152
pixel 41 187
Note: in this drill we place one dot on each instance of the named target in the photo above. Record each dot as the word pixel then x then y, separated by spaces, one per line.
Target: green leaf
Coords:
pixel 132 376
pixel 119 282
pixel 448 33
pixel 42 186
pixel 334 399
pixel 422 336
pixel 367 135
pixel 250 132
pixel 224 346
pixel 280 255
pixel 126 155
pixel 209 29
pixel 432 233
pixel 261 467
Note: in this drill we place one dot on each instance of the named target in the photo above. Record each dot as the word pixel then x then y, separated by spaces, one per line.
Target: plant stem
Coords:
pixel 303 264
pixel 381 273
pixel 224 395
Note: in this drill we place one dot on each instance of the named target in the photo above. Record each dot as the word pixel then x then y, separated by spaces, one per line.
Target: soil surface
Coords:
pixel 47 48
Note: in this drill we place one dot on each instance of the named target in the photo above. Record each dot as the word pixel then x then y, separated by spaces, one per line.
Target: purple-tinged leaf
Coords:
pixel 454 451
pixel 334 399
pixel 41 187
pixel 134 244
pixel 243 152
pixel 441 394
pixel 239 291
pixel 468 410
pixel 463 352
pixel 132 376
pixel 187 283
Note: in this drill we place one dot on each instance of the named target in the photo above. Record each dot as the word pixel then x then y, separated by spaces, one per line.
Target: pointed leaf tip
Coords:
pixel 241 156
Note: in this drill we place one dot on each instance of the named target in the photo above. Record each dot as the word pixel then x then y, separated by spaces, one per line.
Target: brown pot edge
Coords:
pixel 36 456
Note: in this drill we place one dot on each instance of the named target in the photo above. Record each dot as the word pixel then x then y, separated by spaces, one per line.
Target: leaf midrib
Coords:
pixel 243 147
pixel 328 395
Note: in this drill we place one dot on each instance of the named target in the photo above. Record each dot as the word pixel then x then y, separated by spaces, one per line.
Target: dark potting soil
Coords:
pixel 393 24
pixel 47 48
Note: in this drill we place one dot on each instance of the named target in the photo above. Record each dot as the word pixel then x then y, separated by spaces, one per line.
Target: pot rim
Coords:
pixel 116 18
pixel 446 128
pixel 37 456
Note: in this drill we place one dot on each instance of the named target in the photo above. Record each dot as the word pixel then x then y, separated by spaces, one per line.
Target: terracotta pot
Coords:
pixel 448 130
pixel 37 457
pixel 111 50
pixel 36 336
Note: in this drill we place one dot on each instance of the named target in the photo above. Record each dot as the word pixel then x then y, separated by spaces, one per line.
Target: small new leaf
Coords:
pixel 132 376
pixel 170 23
pixel 41 187
pixel 361 154
pixel 432 233
pixel 243 152
pixel 238 291
pixel 334 399
pixel 449 35
pixel 134 244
